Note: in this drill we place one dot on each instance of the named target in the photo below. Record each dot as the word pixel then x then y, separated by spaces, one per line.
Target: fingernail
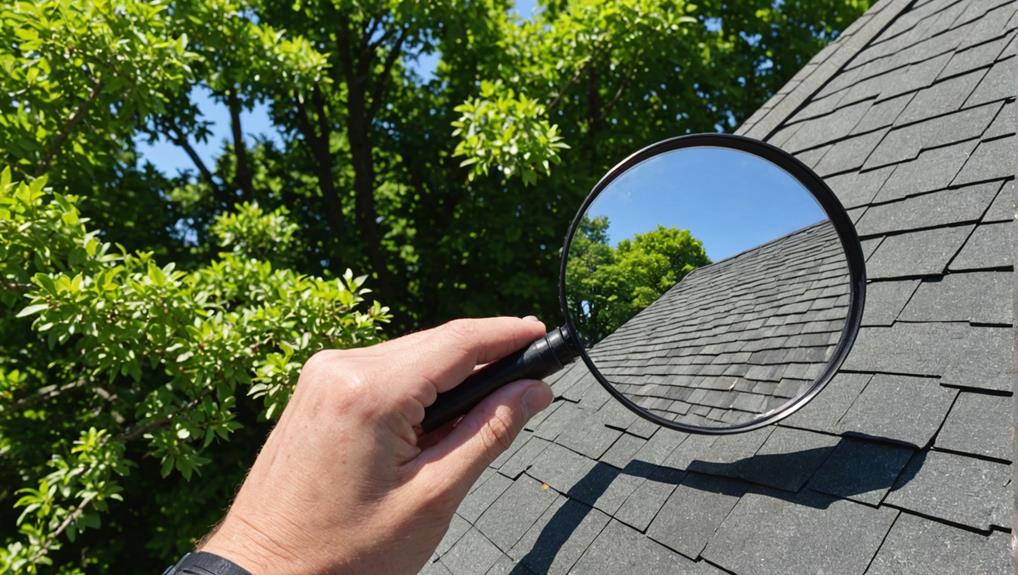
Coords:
pixel 535 400
pixel 531 318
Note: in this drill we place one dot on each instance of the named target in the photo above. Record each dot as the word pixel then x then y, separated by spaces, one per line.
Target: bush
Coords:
pixel 121 379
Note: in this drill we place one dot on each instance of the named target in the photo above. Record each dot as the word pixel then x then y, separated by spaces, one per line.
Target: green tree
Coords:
pixel 454 186
pixel 606 286
pixel 127 373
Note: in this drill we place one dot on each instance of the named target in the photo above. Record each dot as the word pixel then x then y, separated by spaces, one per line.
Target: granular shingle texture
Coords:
pixel 731 340
pixel 903 464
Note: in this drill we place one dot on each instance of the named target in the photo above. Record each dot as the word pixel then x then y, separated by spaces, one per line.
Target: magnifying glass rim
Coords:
pixel 832 207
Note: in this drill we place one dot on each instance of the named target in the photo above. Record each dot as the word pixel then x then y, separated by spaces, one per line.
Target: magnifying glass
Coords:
pixel 711 283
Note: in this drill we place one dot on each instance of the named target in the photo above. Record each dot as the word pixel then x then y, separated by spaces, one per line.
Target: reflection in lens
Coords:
pixel 701 343
pixel 735 339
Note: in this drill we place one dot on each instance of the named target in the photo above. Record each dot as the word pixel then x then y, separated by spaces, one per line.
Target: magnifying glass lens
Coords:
pixel 709 286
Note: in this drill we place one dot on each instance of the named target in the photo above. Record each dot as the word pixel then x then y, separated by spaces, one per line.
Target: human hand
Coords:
pixel 345 484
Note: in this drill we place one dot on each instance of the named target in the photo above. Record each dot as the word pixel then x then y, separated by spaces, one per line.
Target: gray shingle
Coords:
pixel 858 188
pixel 992 160
pixel 1003 208
pixel 506 566
pixel 434 568
pixel 561 420
pixel 901 408
pixel 929 210
pixel 925 252
pixel 644 428
pixel 861 470
pixel 727 453
pixel 521 439
pixel 932 170
pixel 906 348
pixel 826 409
pixel 457 528
pixel 588 435
pixel 805 534
pixel 694 448
pixel 820 130
pixel 616 415
pixel 478 500
pixel 624 551
pixel 978 297
pixel 554 543
pixel 694 511
pixel 849 154
pixel 916 76
pixel 955 488
pixel 973 57
pixel 605 487
pixel 643 505
pixel 788 458
pixel 997 85
pixel 509 517
pixel 560 467
pixel 471 555
pixel 980 424
pixel 523 458
pixel 987 248
pixel 885 300
pixel 982 360
pixel 919 546
pixel 883 113
pixel 1004 124
pixel 536 421
pixel 941 98
pixel 623 450
pixel 869 246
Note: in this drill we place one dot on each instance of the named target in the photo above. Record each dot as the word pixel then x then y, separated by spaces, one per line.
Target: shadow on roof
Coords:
pixel 724 478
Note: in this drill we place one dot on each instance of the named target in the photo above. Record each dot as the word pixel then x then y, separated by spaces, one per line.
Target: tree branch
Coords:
pixel 561 92
pixel 378 94
pixel 174 135
pixel 321 158
pixel 79 114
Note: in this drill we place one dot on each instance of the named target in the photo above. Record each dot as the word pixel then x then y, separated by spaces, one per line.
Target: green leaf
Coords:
pixel 33 309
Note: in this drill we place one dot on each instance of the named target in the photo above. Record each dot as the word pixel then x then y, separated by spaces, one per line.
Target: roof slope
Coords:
pixel 736 338
pixel 903 464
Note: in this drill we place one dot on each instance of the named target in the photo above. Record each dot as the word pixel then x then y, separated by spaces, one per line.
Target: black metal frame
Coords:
pixel 828 201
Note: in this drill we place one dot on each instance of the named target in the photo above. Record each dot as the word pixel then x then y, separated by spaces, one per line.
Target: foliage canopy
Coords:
pixel 606 285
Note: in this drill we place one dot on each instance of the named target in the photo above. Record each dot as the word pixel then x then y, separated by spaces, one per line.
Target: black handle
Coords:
pixel 541 358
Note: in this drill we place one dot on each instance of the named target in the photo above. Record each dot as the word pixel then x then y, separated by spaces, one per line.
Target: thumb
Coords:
pixel 484 433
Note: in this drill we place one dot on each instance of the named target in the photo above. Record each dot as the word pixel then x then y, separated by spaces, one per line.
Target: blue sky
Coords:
pixel 730 200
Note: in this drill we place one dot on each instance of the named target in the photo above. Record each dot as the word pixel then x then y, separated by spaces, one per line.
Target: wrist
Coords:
pixel 251 548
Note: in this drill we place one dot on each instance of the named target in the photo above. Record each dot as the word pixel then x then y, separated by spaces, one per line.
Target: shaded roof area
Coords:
pixel 737 338
pixel 903 464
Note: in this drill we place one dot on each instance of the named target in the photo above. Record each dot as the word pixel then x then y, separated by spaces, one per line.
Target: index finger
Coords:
pixel 445 355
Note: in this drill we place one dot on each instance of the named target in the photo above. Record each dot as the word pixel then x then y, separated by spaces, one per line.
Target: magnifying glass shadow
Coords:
pixel 589 488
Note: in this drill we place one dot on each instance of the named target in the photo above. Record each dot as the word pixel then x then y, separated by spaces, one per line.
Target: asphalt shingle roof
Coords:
pixel 903 464
pixel 732 339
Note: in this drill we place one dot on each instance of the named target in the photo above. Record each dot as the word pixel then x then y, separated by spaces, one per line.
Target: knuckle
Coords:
pixel 498 431
pixel 461 328
pixel 333 372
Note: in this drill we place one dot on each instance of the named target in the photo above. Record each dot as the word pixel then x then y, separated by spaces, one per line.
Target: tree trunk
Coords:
pixel 358 133
pixel 243 173
pixel 321 157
